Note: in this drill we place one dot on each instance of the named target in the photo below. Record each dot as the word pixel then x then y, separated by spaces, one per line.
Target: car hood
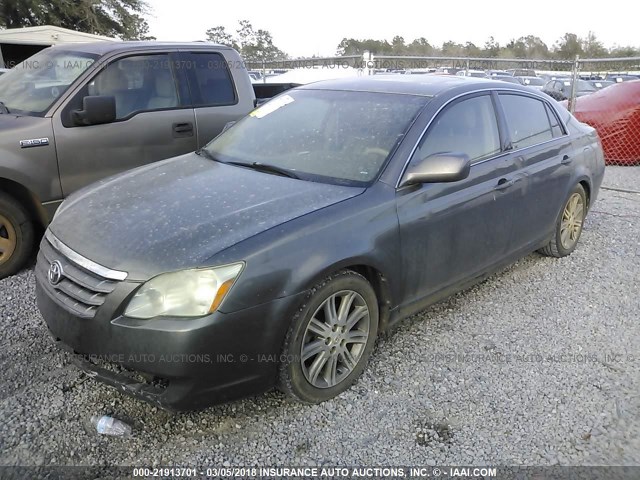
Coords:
pixel 178 213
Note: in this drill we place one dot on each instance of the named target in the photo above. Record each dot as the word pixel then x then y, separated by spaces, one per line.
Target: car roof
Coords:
pixel 102 48
pixel 424 85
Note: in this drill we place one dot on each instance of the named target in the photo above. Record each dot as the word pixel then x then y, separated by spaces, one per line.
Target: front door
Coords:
pixel 452 231
pixel 154 121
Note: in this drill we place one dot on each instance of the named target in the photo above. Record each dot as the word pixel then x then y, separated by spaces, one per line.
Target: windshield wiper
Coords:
pixel 3 108
pixel 265 167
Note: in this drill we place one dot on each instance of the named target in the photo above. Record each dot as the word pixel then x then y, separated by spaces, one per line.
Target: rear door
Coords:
pixel 542 152
pixel 453 231
pixel 154 121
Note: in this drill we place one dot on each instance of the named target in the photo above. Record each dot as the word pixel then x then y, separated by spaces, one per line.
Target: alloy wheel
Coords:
pixel 572 219
pixel 335 339
pixel 8 239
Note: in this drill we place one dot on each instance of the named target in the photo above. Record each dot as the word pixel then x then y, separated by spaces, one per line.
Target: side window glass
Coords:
pixel 138 83
pixel 468 126
pixel 527 120
pixel 556 129
pixel 214 84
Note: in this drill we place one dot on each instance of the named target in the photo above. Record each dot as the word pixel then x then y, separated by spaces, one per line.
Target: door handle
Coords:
pixel 184 129
pixel 566 160
pixel 503 184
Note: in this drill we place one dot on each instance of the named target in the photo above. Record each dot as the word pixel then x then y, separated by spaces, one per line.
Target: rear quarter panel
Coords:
pixel 589 166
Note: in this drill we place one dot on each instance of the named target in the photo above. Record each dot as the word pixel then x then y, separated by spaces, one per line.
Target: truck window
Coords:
pixel 34 85
pixel 138 83
pixel 213 80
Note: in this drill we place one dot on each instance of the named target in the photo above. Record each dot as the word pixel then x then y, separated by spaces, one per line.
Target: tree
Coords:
pixel 253 45
pixel 491 48
pixel 397 45
pixel 113 18
pixel 568 47
pixel 527 47
pixel 592 47
pixel 221 36
pixel 452 49
pixel 471 50
pixel 535 47
pixel 628 51
pixel 420 46
pixel 351 46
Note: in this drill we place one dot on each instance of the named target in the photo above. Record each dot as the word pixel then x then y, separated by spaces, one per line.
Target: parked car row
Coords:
pixel 561 89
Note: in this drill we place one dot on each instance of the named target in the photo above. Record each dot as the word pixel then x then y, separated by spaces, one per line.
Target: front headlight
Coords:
pixel 188 293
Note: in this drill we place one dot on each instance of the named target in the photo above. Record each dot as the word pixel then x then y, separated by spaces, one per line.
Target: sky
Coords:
pixel 316 28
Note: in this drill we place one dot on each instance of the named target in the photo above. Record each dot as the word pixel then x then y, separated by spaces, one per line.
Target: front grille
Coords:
pixel 80 291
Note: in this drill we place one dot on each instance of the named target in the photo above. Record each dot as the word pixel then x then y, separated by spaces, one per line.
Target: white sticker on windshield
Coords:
pixel 272 106
pixel 566 84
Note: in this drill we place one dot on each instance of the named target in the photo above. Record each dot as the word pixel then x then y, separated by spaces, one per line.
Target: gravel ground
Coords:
pixel 538 365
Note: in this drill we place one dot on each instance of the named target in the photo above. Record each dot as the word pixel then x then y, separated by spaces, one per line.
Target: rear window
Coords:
pixel 214 85
pixel 527 120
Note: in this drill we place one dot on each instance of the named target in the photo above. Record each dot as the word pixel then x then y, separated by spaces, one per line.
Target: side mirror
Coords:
pixel 95 110
pixel 439 167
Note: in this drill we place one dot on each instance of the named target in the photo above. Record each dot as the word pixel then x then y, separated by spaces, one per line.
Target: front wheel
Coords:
pixel 330 339
pixel 569 225
pixel 16 235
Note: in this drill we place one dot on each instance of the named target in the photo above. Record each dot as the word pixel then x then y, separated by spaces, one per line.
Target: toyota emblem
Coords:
pixel 55 273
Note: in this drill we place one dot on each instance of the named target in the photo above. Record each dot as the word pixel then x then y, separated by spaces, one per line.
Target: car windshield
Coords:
pixel 533 81
pixel 584 86
pixel 32 86
pixel 581 86
pixel 341 137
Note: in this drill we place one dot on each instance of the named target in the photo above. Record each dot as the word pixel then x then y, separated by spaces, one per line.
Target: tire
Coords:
pixel 568 225
pixel 16 235
pixel 339 351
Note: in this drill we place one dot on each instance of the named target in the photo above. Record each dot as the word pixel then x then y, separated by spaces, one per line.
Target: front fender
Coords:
pixel 34 168
pixel 293 257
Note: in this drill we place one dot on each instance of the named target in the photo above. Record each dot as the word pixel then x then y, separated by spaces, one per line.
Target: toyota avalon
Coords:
pixel 275 255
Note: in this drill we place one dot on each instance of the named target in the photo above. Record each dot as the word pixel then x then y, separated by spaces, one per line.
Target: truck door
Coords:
pixel 215 95
pixel 154 120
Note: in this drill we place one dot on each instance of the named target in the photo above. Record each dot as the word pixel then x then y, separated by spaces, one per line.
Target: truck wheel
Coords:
pixel 330 339
pixel 16 235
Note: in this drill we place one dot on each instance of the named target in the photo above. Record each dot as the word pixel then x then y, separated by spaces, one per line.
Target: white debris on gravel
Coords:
pixel 538 365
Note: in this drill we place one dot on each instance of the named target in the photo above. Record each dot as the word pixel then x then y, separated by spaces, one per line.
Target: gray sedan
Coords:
pixel 276 255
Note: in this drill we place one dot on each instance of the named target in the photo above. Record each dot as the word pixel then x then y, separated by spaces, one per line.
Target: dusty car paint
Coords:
pixel 415 244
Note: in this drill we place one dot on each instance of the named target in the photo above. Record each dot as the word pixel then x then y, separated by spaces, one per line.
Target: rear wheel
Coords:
pixel 330 339
pixel 569 225
pixel 16 235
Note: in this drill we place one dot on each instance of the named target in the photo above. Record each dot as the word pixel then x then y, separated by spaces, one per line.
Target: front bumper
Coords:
pixel 175 363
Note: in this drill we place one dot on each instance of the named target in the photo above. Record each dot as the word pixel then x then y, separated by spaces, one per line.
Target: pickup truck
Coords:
pixel 74 114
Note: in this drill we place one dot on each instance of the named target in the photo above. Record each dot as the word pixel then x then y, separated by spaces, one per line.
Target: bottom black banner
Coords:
pixel 324 472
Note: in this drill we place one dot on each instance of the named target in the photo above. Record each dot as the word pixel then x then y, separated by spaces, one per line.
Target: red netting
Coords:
pixel 615 113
